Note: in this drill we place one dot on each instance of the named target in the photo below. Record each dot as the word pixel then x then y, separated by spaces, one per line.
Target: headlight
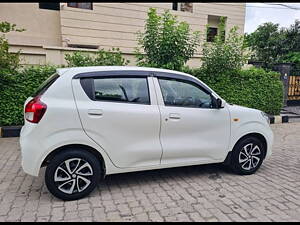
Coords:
pixel 265 115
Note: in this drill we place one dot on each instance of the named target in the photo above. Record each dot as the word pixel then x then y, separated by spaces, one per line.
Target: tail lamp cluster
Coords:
pixel 35 109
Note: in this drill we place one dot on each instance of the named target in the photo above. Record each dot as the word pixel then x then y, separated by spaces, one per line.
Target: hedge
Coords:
pixel 17 89
pixel 254 88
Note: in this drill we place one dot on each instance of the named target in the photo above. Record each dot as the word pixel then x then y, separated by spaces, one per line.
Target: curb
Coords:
pixel 278 119
pixel 10 131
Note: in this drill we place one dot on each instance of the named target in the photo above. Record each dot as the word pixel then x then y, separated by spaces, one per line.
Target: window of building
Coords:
pixel 186 7
pixel 127 90
pixel 49 5
pixel 212 31
pixel 83 46
pixel 175 6
pixel 81 5
pixel 184 94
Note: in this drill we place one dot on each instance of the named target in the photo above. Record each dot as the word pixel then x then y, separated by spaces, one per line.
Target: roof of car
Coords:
pixel 86 69
pixel 96 71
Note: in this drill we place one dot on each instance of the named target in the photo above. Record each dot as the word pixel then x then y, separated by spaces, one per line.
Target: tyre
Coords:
pixel 73 174
pixel 247 156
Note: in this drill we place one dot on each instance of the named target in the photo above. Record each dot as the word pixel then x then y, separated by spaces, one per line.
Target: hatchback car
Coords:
pixel 85 123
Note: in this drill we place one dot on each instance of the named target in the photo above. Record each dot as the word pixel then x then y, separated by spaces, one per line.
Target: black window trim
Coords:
pixel 88 86
pixel 191 83
pixel 139 73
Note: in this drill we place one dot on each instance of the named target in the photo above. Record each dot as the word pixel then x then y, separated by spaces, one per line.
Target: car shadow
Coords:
pixel 210 171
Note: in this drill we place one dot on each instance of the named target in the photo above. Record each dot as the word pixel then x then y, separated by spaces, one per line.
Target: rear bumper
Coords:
pixel 30 151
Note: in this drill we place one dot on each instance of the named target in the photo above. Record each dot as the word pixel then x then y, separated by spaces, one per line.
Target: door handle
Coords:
pixel 95 112
pixel 175 116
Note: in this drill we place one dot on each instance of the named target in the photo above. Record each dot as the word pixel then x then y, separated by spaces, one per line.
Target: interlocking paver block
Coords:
pixel 198 193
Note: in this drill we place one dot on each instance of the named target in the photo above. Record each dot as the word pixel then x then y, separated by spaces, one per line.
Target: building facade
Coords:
pixel 54 29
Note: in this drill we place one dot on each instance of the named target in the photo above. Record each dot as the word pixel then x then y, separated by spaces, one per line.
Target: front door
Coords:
pixel 191 130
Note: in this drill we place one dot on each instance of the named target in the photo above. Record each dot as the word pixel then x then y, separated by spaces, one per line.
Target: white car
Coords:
pixel 85 123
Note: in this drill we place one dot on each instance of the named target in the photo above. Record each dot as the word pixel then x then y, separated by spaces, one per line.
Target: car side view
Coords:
pixel 84 123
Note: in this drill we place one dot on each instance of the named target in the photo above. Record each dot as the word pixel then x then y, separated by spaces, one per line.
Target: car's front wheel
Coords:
pixel 72 174
pixel 247 156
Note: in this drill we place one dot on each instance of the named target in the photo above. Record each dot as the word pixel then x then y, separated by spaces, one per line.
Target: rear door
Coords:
pixel 121 114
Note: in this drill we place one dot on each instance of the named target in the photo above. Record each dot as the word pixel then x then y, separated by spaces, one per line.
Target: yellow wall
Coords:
pixel 107 25
pixel 42 26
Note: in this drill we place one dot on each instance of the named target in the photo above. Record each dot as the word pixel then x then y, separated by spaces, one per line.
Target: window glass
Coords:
pixel 211 33
pixel 184 94
pixel 133 90
pixel 175 5
pixel 80 5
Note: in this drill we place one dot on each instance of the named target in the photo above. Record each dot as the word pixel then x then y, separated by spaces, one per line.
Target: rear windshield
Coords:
pixel 45 85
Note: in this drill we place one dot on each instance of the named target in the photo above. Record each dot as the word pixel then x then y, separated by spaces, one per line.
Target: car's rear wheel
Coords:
pixel 73 174
pixel 247 156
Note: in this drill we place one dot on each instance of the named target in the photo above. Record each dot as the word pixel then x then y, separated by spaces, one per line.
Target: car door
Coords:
pixel 191 130
pixel 122 116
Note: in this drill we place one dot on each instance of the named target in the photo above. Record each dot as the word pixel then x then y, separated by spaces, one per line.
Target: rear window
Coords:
pixel 130 90
pixel 45 85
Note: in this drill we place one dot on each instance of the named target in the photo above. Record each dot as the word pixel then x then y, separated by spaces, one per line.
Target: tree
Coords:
pixel 9 62
pixel 272 44
pixel 166 42
pixel 267 43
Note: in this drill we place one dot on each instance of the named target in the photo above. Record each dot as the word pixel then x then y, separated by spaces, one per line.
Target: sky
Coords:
pixel 258 13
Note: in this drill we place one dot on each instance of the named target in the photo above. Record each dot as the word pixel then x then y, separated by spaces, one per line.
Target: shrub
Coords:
pixel 166 42
pixel 254 88
pixel 14 94
pixel 101 58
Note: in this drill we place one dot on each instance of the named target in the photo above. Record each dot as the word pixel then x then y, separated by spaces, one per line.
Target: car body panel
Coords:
pixel 141 136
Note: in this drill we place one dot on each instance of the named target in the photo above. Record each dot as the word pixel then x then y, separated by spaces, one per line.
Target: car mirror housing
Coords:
pixel 220 103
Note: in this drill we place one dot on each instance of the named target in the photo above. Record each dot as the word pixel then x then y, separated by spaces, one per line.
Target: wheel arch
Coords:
pixel 252 134
pixel 90 149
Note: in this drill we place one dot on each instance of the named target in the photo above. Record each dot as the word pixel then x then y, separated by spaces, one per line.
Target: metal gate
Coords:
pixel 293 97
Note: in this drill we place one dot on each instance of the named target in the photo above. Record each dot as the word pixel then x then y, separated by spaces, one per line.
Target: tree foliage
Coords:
pixel 225 53
pixel 272 44
pixel 166 42
pixel 9 62
pixel 111 57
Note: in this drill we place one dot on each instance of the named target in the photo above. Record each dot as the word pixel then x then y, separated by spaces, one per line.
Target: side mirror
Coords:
pixel 220 103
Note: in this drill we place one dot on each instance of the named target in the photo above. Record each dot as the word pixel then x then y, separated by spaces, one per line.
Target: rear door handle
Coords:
pixel 95 112
pixel 175 116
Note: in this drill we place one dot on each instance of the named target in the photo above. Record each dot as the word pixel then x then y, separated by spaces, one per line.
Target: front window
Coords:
pixel 130 90
pixel 184 94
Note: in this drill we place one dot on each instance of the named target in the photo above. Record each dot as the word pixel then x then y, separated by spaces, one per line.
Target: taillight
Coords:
pixel 34 110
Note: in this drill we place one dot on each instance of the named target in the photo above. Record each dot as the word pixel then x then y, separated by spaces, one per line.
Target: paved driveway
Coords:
pixel 197 193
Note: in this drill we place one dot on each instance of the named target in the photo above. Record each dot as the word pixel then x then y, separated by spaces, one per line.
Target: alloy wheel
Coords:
pixel 250 156
pixel 73 175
